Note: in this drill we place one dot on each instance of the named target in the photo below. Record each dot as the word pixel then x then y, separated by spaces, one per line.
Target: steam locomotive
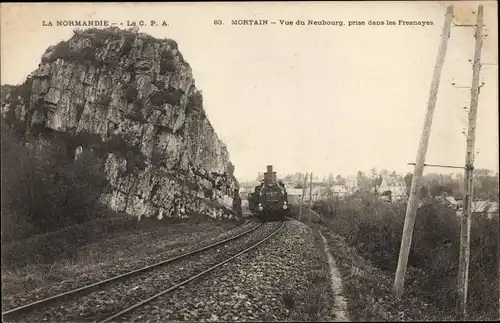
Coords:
pixel 269 200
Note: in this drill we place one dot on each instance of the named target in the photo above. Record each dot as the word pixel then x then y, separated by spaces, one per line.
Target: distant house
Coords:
pixel 351 183
pixel 486 208
pixel 395 185
pixel 243 191
pixel 452 203
pixel 318 193
pixel 448 201
pixel 339 191
pixel 294 195
pixel 482 208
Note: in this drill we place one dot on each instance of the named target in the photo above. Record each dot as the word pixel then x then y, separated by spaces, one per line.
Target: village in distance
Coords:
pixel 445 189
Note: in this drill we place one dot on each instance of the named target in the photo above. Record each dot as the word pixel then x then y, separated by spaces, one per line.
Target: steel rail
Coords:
pixel 141 303
pixel 22 309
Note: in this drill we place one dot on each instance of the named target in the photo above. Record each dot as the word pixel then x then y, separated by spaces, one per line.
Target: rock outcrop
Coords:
pixel 137 95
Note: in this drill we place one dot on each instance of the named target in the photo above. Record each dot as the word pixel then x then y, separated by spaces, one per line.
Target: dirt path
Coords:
pixel 340 305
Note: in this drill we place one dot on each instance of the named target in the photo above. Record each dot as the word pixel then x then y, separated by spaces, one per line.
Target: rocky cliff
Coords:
pixel 135 96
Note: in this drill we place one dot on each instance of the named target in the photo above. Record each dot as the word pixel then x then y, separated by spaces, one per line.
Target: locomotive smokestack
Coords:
pixel 268 176
pixel 274 178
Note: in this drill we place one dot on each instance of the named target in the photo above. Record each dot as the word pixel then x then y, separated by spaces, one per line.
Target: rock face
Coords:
pixel 137 94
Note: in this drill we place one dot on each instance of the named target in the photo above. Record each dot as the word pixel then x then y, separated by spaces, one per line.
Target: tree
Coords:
pixel 230 169
pixel 387 194
pixel 482 172
pixel 299 177
pixel 360 177
pixel 439 189
pixel 485 184
pixel 339 180
pixel 363 182
pixel 329 192
pixel 424 193
pixel 377 181
pixel 408 179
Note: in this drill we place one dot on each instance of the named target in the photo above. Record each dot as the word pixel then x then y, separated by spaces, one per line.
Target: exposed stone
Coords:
pixel 82 84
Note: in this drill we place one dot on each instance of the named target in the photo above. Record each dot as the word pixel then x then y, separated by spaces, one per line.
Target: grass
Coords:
pixel 319 298
pixel 307 215
pixel 107 251
pixel 367 289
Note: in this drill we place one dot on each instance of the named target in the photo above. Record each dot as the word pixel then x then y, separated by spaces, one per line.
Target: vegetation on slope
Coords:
pixel 99 38
pixel 374 228
pixel 43 189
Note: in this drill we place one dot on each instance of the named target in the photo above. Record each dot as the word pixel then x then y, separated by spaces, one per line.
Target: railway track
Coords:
pixel 18 312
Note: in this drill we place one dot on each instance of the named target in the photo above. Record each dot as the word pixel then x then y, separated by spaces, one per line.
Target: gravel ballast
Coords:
pixel 284 279
pixel 118 295
pixel 134 251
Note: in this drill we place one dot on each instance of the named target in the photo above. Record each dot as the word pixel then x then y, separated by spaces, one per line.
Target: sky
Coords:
pixel 314 98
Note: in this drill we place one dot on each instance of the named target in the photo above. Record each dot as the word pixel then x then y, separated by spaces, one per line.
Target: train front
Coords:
pixel 272 198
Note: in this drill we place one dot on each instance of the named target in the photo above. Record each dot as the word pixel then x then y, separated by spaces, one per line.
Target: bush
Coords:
pixel 375 229
pixel 167 54
pixel 130 92
pixel 170 96
pixel 157 157
pixel 195 101
pixel 17 127
pixel 63 51
pixel 172 43
pixel 137 112
pixel 127 47
pixel 119 146
pixel 167 66
pixel 104 100
pixel 167 63
pixel 62 243
pixel 97 38
pixel 160 85
pixel 43 189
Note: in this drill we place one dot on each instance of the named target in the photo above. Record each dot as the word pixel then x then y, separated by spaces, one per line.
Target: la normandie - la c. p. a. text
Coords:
pixel 101 23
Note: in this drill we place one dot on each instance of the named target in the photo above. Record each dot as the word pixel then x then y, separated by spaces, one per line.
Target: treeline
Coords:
pixel 485 185
pixel 486 182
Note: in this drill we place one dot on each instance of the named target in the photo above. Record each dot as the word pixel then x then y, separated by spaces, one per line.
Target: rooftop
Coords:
pixel 484 206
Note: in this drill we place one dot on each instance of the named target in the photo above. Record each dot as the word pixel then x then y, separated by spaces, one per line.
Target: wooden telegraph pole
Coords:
pixel 411 210
pixel 310 194
pixel 303 194
pixel 465 223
